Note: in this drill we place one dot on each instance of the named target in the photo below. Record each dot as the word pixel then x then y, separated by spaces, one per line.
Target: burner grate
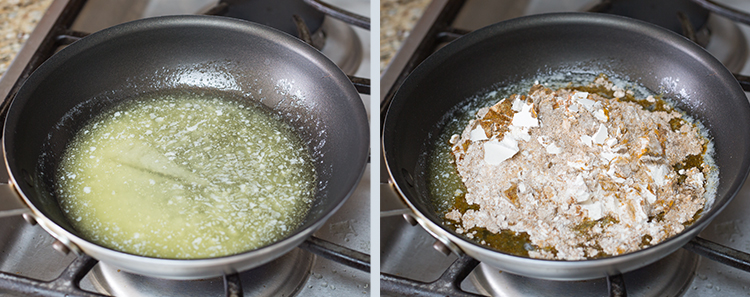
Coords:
pixel 449 283
pixel 68 282
pixel 304 23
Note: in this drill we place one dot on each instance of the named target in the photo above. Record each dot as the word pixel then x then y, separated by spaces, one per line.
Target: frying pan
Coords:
pixel 212 54
pixel 520 49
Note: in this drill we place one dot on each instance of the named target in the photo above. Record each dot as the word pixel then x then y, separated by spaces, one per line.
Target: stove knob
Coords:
pixel 60 247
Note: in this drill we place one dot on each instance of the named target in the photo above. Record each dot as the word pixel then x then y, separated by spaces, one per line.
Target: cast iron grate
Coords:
pixel 68 282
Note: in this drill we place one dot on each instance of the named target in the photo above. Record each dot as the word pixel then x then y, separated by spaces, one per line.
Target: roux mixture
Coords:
pixel 184 175
pixel 581 175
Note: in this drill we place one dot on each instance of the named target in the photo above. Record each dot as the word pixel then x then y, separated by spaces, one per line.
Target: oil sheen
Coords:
pixel 186 175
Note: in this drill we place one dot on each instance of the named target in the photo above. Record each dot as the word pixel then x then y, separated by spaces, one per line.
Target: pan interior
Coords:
pixel 205 174
pixel 283 103
pixel 504 55
pixel 210 54
pixel 437 160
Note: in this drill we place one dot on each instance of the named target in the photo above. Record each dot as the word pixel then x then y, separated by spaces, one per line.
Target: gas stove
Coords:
pixel 411 266
pixel 335 262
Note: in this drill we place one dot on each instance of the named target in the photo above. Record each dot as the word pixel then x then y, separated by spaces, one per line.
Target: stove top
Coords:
pixel 407 250
pixel 27 251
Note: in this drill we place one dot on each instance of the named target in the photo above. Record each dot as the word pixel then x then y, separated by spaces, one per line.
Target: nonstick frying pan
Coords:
pixel 214 54
pixel 520 49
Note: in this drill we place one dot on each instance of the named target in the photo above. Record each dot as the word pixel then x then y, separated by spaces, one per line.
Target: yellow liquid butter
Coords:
pixel 185 176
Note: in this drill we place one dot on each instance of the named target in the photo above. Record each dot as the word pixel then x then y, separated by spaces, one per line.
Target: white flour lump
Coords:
pixel 583 175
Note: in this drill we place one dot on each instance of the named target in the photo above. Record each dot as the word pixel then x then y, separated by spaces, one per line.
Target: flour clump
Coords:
pixel 585 172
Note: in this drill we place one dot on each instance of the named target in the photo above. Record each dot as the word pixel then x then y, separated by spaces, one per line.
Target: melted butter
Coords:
pixel 448 192
pixel 183 175
pixel 659 104
pixel 447 189
pixel 515 243
pixel 698 214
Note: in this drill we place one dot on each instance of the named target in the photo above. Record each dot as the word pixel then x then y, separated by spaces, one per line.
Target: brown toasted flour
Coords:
pixel 585 176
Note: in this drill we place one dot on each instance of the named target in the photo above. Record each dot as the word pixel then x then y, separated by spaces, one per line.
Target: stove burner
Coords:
pixel 284 276
pixel 719 35
pixel 334 38
pixel 665 13
pixel 275 13
pixel 670 276
pixel 727 43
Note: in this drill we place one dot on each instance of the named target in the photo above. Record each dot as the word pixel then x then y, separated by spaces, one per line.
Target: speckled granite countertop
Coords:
pixel 397 18
pixel 17 19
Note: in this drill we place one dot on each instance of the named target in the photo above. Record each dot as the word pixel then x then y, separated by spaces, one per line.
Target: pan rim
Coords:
pixel 477 38
pixel 219 23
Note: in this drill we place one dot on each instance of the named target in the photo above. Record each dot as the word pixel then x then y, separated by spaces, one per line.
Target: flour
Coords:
pixel 583 175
